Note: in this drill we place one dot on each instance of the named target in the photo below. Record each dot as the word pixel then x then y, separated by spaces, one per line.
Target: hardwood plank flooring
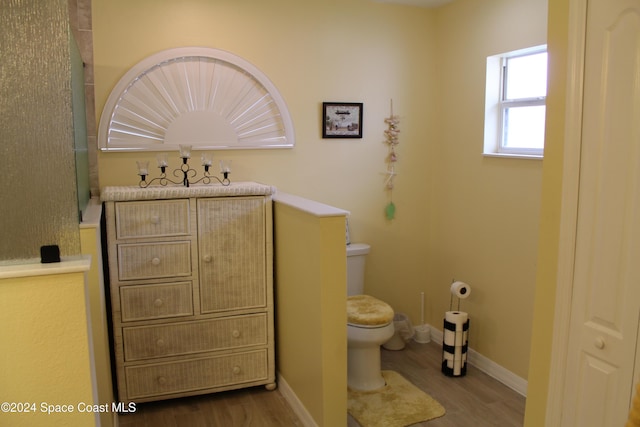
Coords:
pixel 251 407
pixel 473 400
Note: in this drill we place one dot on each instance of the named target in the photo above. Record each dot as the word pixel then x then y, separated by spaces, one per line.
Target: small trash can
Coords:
pixel 403 332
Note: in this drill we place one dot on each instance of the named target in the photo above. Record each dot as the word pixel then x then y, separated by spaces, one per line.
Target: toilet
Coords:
pixel 369 325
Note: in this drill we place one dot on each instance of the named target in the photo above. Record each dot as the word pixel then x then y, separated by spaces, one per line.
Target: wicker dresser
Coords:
pixel 191 289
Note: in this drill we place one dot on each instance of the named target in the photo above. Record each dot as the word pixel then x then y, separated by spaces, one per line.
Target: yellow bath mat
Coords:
pixel 634 413
pixel 399 403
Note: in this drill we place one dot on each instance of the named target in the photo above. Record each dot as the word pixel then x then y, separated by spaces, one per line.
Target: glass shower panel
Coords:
pixel 39 204
pixel 79 127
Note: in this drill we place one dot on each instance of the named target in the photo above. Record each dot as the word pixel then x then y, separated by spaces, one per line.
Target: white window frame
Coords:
pixel 496 106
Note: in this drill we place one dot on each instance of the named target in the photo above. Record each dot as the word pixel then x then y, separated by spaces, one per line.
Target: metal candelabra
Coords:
pixel 185 171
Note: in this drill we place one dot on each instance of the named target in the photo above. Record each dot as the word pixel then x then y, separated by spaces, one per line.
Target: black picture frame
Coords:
pixel 342 119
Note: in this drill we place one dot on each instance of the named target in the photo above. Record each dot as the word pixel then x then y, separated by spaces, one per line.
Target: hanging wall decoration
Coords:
pixel 342 119
pixel 391 135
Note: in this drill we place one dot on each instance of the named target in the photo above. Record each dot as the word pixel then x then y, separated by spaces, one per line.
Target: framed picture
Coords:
pixel 342 120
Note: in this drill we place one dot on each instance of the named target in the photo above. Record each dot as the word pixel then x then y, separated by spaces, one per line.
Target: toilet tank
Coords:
pixel 356 255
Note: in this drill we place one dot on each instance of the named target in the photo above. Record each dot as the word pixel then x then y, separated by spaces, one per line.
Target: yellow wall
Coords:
pixel 459 215
pixel 484 211
pixel 311 329
pixel 45 357
pixel 550 216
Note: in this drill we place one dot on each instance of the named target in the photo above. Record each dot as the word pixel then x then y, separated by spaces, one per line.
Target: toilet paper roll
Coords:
pixel 457 367
pixel 460 290
pixel 458 318
pixel 456 360
pixel 455 336
pixel 454 339
pixel 449 337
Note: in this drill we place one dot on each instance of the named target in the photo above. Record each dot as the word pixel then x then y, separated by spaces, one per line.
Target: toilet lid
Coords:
pixel 367 310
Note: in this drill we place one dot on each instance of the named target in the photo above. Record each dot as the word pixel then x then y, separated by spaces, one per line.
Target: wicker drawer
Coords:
pixel 195 374
pixel 143 302
pixel 152 218
pixel 154 260
pixel 145 342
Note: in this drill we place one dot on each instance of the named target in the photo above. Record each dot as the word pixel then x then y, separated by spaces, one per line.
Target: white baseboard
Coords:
pixel 295 403
pixel 489 367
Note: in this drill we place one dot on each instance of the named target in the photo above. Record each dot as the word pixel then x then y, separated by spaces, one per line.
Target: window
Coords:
pixel 515 103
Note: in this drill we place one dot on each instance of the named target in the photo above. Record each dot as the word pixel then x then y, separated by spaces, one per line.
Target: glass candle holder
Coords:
pixel 225 166
pixel 207 161
pixel 163 160
pixel 143 167
pixel 185 151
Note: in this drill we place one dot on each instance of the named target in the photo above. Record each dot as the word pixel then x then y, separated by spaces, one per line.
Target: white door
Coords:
pixel 606 289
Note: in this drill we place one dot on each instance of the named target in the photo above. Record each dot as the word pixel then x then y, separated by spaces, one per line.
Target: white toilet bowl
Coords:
pixel 363 356
pixel 369 325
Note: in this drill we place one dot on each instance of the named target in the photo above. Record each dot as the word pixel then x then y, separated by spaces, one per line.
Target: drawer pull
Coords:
pixel 155 261
pixel 160 342
pixel 207 258
pixel 235 333
pixel 236 370
pixel 158 302
pixel 599 343
pixel 162 380
pixel 155 219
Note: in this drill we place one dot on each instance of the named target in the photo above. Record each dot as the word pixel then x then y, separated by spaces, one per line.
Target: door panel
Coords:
pixel 598 375
pixel 606 295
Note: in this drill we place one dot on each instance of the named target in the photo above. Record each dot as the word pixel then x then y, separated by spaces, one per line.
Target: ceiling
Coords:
pixel 420 3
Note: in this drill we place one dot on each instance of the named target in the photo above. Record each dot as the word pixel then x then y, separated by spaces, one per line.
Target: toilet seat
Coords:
pixel 355 325
pixel 365 311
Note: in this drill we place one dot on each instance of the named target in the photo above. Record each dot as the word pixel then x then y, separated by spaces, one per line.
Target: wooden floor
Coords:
pixel 254 407
pixel 473 400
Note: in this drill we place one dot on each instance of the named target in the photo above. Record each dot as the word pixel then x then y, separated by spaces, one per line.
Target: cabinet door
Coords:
pixel 231 242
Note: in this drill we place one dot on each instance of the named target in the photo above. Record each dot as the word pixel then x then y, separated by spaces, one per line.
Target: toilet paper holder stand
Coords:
pixel 451 303
pixel 459 290
pixel 455 342
pixel 454 353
